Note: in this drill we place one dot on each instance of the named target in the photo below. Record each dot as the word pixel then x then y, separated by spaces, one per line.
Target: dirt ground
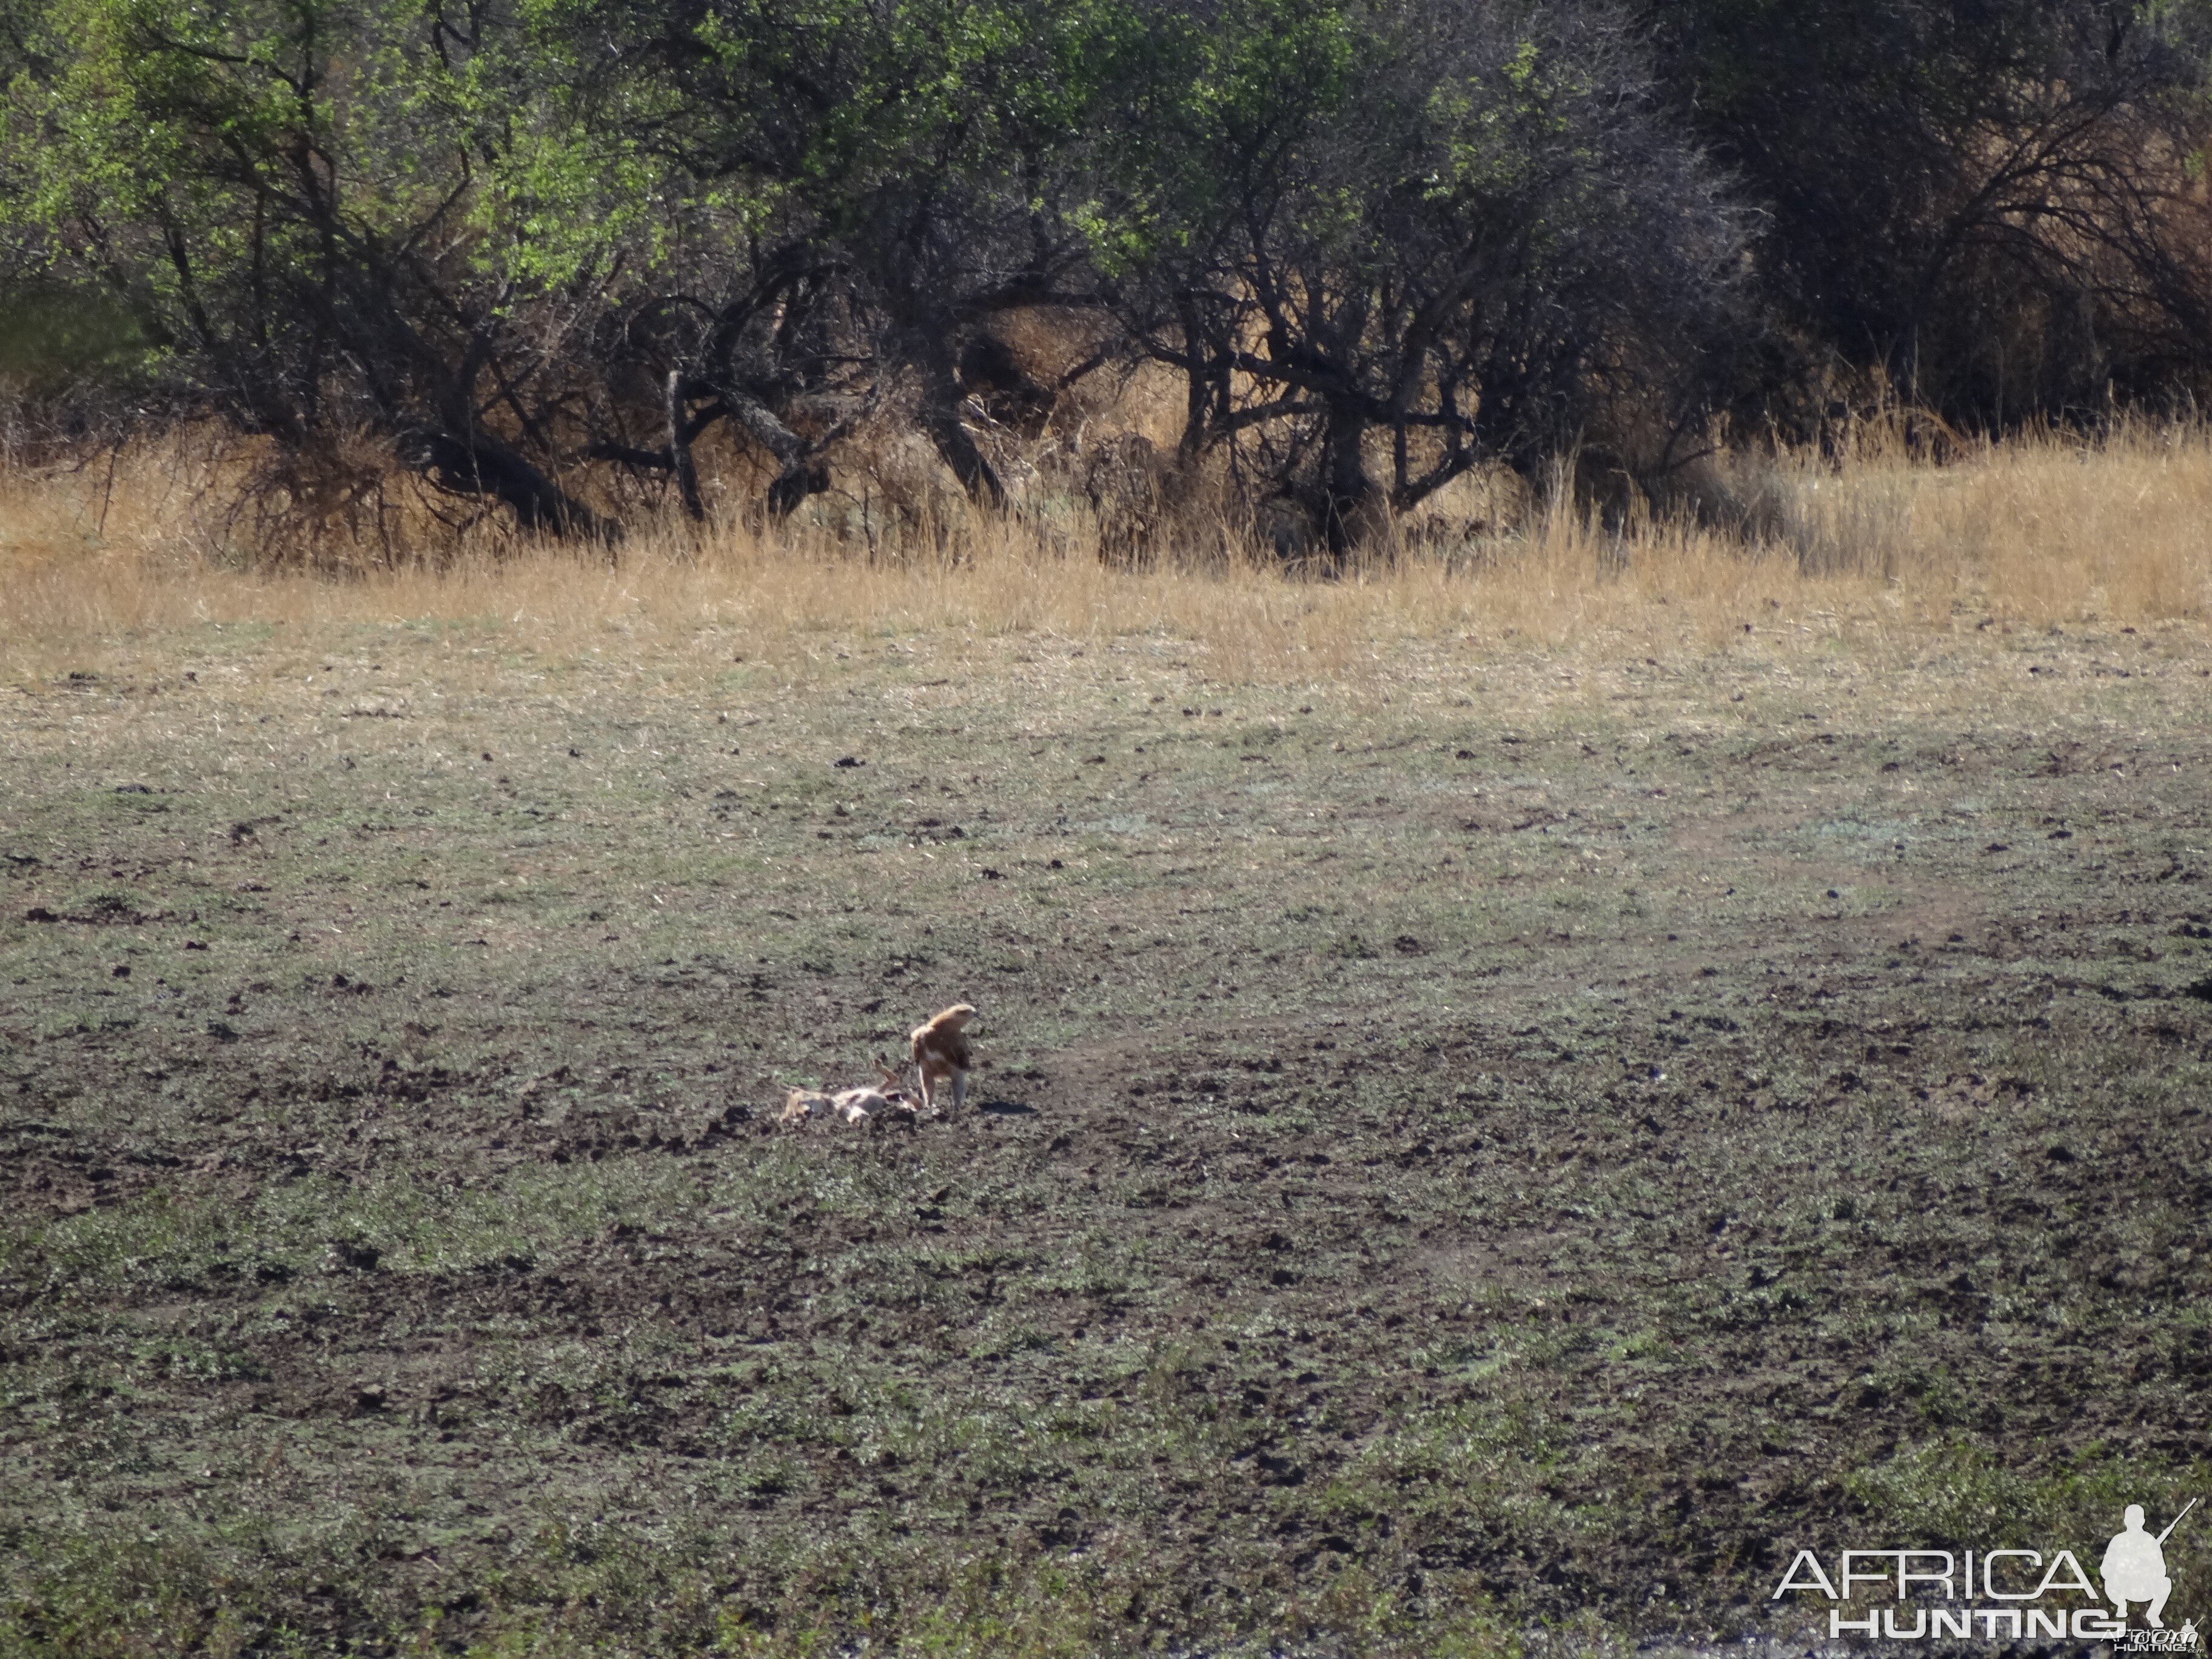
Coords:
pixel 1501 1153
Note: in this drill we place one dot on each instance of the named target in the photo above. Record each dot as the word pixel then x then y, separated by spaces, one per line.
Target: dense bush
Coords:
pixel 1461 222
pixel 515 241
pixel 1999 203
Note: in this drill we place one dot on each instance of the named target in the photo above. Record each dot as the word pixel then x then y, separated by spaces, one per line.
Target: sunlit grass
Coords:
pixel 1880 546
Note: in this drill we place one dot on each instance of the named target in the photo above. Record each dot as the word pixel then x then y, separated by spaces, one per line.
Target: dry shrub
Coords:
pixel 1876 542
pixel 338 508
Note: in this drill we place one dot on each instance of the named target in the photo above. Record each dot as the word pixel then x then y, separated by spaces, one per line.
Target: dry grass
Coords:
pixel 1879 550
pixel 528 820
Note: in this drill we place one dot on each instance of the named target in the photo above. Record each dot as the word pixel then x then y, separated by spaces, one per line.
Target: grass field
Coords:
pixel 1491 1132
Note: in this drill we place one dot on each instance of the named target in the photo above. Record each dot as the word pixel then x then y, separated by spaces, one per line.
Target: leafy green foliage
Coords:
pixel 507 238
pixel 325 215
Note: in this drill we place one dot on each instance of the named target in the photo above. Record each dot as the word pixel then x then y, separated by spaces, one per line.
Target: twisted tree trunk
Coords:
pixel 478 464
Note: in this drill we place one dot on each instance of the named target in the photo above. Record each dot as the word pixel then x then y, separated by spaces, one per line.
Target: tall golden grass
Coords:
pixel 2036 531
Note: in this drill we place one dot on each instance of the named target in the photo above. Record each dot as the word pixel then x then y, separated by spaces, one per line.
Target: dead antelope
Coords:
pixel 884 1101
pixel 941 1050
pixel 802 1105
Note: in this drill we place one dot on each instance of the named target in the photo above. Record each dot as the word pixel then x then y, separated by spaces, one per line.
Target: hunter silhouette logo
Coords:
pixel 2004 1595
pixel 2135 1566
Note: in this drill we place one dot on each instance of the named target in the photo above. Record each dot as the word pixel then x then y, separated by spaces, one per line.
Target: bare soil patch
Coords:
pixel 1456 1157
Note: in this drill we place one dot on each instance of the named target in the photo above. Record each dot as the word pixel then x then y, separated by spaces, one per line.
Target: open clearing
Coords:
pixel 1512 1140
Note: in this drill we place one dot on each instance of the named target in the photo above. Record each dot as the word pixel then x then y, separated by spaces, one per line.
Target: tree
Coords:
pixel 890 176
pixel 1464 226
pixel 1993 201
pixel 326 214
